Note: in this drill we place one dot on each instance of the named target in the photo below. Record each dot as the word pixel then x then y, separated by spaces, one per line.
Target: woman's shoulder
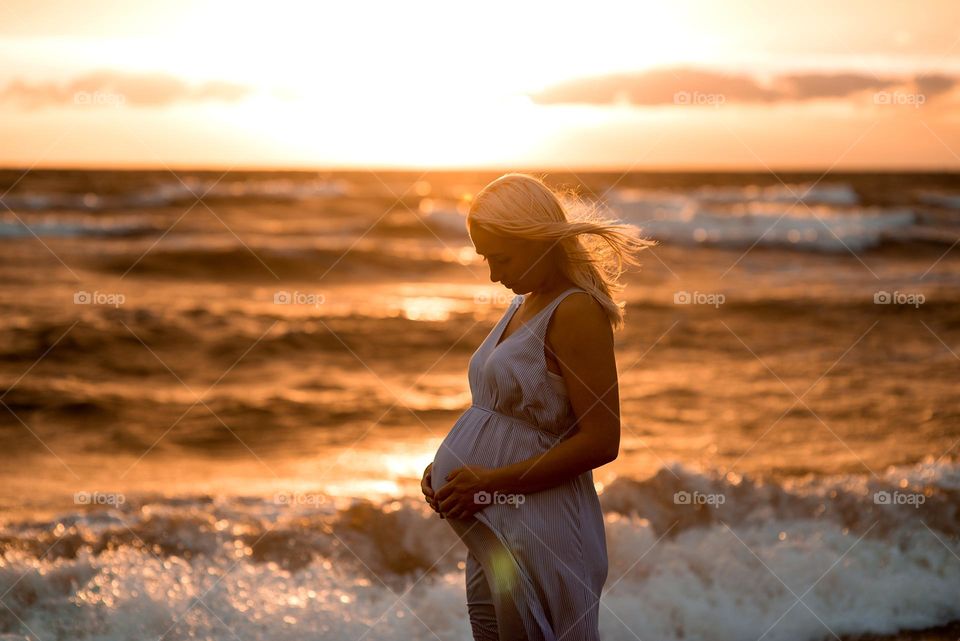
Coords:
pixel 580 314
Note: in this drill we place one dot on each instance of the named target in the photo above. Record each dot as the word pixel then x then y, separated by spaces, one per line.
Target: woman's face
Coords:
pixel 520 264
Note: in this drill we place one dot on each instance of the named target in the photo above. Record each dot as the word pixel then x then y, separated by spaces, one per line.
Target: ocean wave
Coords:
pixel 296 563
pixel 823 218
pixel 235 262
pixel 29 225
pixel 821 193
pixel 849 501
pixel 99 329
pixel 744 217
pixel 947 200
pixel 151 194
pixel 445 216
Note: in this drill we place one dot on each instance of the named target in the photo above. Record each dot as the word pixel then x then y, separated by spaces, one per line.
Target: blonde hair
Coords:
pixel 592 248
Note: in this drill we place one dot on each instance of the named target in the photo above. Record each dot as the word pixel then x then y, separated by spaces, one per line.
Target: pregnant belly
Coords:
pixel 462 446
pixel 489 440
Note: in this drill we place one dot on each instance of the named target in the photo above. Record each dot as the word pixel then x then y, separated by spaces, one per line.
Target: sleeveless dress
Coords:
pixel 552 547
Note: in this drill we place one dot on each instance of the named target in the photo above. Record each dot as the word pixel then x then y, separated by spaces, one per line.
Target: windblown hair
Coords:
pixel 590 248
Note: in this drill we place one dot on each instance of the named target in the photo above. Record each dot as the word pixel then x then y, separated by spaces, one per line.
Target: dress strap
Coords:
pixel 535 325
pixel 559 299
pixel 546 313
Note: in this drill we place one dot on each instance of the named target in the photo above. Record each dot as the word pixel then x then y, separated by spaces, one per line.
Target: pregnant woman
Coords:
pixel 514 476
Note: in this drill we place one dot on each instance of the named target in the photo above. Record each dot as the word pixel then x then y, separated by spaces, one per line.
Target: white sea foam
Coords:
pixel 779 562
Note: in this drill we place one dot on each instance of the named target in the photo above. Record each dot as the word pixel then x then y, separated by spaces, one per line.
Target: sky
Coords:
pixel 599 85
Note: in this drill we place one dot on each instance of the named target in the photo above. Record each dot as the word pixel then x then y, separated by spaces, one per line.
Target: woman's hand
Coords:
pixel 458 497
pixel 426 486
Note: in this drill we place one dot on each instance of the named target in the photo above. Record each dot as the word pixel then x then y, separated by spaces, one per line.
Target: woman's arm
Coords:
pixel 582 342
pixel 569 459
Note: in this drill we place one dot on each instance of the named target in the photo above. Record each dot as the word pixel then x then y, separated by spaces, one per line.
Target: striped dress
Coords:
pixel 543 553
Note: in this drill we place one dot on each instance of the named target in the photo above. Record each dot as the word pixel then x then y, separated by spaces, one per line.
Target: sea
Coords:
pixel 220 389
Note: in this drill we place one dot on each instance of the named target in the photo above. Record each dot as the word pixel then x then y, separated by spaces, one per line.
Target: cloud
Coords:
pixel 811 86
pixel 935 84
pixel 114 87
pixel 655 87
pixel 662 86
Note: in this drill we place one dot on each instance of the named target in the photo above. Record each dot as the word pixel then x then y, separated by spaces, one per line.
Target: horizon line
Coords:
pixel 594 169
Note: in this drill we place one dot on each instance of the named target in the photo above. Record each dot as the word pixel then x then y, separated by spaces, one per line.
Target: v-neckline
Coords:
pixel 500 338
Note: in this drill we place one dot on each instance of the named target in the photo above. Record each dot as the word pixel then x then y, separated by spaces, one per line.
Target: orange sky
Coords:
pixel 616 85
